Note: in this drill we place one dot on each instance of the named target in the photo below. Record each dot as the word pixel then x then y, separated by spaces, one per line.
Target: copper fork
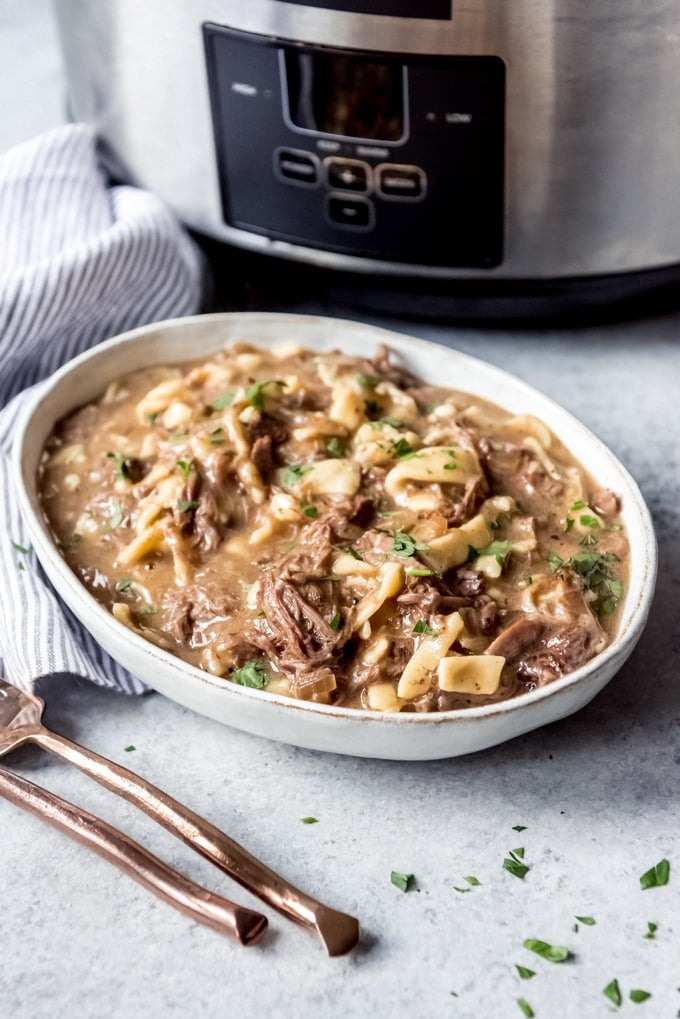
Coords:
pixel 20 723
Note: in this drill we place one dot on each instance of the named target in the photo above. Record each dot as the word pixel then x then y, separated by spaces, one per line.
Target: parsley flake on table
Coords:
pixel 404 882
pixel 553 953
pixel 130 748
pixel 519 827
pixel 472 880
pixel 587 920
pixel 524 972
pixel 656 876
pixel 526 1008
pixel 252 674
pixel 613 992
pixel 19 548
pixel 651 930
pixel 309 820
pixel 514 864
pixel 638 996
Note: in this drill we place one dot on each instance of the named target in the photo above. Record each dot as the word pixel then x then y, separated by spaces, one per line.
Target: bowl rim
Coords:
pixel 634 611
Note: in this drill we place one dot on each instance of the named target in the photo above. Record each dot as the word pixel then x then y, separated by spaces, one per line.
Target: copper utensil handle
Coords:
pixel 338 931
pixel 168 884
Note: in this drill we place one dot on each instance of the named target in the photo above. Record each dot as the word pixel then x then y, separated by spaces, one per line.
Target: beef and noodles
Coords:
pixel 332 528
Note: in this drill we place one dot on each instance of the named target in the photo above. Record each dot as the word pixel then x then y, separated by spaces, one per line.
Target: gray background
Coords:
pixel 597 792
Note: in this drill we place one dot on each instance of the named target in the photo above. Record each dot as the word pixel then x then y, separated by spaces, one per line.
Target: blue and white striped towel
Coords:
pixel 79 262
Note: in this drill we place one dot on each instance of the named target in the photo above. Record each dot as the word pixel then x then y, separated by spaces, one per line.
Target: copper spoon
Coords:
pixel 245 925
pixel 20 722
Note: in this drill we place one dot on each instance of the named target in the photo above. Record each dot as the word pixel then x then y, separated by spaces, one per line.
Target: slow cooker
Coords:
pixel 452 140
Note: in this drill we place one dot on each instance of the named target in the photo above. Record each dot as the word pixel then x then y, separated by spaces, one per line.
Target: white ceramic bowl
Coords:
pixel 320 727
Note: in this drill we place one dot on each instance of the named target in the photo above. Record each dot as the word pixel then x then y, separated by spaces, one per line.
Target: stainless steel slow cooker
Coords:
pixel 452 139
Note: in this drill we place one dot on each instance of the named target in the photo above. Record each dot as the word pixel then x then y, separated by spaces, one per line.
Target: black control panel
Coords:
pixel 384 156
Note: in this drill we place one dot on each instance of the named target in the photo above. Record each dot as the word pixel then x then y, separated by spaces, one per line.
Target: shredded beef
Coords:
pixel 562 651
pixel 606 502
pixel 381 363
pixel 188 607
pixel 516 638
pixel 518 472
pixel 261 455
pixel 461 503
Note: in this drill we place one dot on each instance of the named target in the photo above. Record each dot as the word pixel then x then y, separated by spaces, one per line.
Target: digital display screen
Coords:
pixel 353 97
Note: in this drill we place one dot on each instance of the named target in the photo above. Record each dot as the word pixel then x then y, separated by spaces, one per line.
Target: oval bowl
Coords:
pixel 407 736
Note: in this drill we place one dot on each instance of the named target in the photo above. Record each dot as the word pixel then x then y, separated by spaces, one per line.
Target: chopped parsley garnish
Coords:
pixel 524 973
pixel 368 381
pixel 255 394
pixel 152 418
pixel 587 540
pixel 651 930
pixel 514 864
pixel 335 448
pixel 553 953
pixel 215 437
pixel 383 422
pixel 309 820
pixel 130 748
pixel 656 876
pixel 587 920
pixel 185 467
pixel 569 525
pixel 402 450
pixel 224 400
pixel 638 996
pixel 451 466
pixel 472 880
pixel 405 546
pixel 292 474
pixel 526 1008
pixel 424 627
pixel 125 584
pixel 122 462
pixel 596 573
pixel 253 674
pixel 19 548
pixel 402 881
pixel 309 510
pixel 116 516
pixel 578 506
pixel 588 521
pixel 186 505
pixel 613 992
pixel 418 573
pixel 148 610
pixel 500 550
pixel 336 621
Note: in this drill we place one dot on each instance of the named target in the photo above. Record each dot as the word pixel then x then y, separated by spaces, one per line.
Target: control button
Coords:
pixel 354 213
pixel 401 183
pixel 296 167
pixel 347 174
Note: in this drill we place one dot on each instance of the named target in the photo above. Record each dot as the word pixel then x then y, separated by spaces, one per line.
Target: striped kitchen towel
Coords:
pixel 80 261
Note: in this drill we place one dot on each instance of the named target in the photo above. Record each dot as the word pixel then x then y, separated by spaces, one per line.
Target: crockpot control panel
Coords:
pixel 392 157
